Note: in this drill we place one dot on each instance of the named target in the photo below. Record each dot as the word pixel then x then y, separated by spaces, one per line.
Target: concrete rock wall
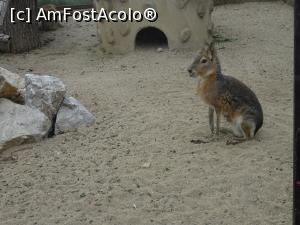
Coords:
pixel 185 23
pixel 290 2
pixel 222 2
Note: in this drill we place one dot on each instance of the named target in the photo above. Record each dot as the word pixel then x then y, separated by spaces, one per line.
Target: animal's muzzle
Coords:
pixel 191 71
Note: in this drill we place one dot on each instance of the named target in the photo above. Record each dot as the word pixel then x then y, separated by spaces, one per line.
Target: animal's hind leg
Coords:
pixel 248 128
pixel 242 132
pixel 239 134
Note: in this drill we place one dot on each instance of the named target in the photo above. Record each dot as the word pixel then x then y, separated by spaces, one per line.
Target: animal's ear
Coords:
pixel 204 49
pixel 211 51
pixel 206 46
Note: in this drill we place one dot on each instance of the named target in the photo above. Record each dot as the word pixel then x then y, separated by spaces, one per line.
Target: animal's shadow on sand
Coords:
pixel 224 135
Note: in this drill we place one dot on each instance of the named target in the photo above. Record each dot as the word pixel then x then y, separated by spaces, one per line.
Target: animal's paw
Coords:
pixel 199 141
pixel 234 141
pixel 225 131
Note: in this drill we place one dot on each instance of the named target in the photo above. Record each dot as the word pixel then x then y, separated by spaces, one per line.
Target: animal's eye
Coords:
pixel 204 61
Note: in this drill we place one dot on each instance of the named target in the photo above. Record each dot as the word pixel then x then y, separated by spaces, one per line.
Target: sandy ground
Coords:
pixel 147 114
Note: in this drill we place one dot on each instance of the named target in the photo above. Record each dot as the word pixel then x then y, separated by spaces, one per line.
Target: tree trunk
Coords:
pixel 23 36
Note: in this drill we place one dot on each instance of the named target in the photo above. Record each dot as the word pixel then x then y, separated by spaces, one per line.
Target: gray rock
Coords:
pixel 21 124
pixel 72 115
pixel 45 93
pixel 11 86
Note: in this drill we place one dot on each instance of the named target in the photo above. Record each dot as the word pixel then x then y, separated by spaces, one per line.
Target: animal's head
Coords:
pixel 204 64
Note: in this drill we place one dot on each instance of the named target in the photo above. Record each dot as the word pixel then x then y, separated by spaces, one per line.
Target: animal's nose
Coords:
pixel 190 70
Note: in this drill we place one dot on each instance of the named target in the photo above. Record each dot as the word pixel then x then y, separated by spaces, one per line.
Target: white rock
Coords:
pixel 21 124
pixel 159 49
pixel 11 86
pixel 45 93
pixel 146 165
pixel 71 116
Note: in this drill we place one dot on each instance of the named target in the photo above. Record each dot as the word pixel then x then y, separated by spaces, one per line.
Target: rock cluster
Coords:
pixel 33 106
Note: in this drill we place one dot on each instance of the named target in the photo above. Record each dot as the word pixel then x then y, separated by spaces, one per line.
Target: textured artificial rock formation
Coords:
pixel 185 23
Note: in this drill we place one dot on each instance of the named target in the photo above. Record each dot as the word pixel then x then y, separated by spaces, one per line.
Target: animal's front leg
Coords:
pixel 239 135
pixel 211 119
pixel 218 121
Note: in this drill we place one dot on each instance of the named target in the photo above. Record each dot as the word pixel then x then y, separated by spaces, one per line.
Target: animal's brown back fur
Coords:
pixel 231 97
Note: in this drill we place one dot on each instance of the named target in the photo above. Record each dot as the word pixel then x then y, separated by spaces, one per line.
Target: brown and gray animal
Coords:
pixel 226 96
